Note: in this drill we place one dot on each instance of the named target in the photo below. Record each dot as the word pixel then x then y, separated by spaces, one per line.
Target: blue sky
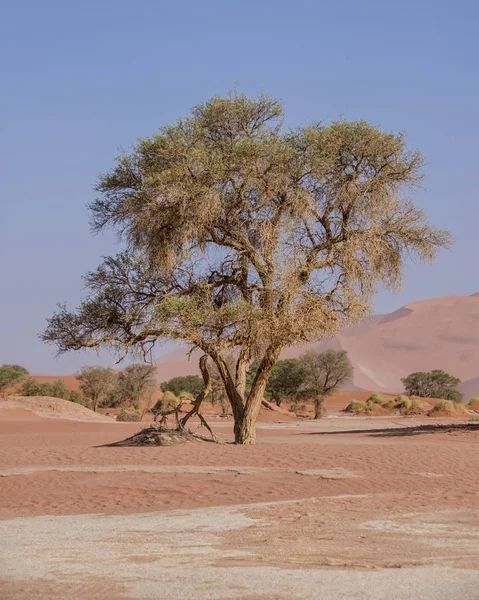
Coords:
pixel 80 80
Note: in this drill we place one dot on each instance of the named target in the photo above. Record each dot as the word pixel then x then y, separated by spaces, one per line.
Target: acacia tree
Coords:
pixel 96 383
pixel 324 372
pixel 11 375
pixel 242 236
pixel 435 384
pixel 136 383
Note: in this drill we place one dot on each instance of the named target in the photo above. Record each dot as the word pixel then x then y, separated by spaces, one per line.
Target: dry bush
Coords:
pixel 128 415
pixel 377 405
pixel 410 407
pixel 473 404
pixel 366 407
pixel 448 408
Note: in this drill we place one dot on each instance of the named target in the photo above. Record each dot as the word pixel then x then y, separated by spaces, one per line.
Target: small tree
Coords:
pixel 434 384
pixel 136 383
pixel 186 383
pixel 287 378
pixel 11 375
pixel 323 373
pixel 96 383
pixel 241 236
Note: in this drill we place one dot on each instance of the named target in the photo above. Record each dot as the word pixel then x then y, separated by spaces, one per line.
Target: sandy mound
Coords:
pixel 52 408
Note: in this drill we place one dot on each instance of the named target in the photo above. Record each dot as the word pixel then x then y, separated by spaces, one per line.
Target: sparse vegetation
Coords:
pixel 129 415
pixel 378 404
pixel 434 384
pixel 192 384
pixel 96 383
pixel 11 375
pixel 324 372
pixel 135 384
pixel 54 389
pixel 448 408
pixel 411 407
pixel 242 236
pixel 287 379
pixel 473 403
pixel 168 404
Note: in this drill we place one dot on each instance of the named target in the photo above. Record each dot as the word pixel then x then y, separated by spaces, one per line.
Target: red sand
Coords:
pixel 381 463
pixel 366 493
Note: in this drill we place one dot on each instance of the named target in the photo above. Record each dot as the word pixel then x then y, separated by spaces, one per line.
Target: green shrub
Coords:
pixel 474 403
pixel 54 389
pixel 376 398
pixel 448 408
pixel 412 407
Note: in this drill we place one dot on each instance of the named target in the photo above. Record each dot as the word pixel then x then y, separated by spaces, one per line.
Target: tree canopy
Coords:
pixel 434 384
pixel 96 383
pixel 242 236
pixel 286 380
pixel 324 372
pixel 192 384
pixel 10 375
pixel 53 389
pixel 135 384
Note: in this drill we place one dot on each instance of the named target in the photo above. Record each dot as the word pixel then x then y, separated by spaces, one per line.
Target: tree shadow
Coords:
pixel 403 431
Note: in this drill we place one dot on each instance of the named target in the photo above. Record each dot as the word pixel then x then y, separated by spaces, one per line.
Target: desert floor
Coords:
pixel 344 508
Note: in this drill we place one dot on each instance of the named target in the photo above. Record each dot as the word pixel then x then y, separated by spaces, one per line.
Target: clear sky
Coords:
pixel 80 80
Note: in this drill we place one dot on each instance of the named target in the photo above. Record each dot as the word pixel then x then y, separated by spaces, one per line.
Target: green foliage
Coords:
pixel 376 398
pixel 379 404
pixel 10 375
pixel 474 403
pixel 242 235
pixel 412 407
pixel 324 372
pixel 96 383
pixel 54 389
pixel 192 384
pixel 286 381
pixel 359 407
pixel 434 384
pixel 135 384
pixel 448 408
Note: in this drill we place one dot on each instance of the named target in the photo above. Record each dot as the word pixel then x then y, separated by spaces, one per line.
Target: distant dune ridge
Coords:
pixel 441 333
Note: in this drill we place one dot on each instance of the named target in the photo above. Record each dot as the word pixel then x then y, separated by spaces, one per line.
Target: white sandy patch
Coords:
pixel 178 555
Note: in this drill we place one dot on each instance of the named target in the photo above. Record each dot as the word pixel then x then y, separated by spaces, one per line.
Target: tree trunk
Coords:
pixel 245 421
pixel 319 408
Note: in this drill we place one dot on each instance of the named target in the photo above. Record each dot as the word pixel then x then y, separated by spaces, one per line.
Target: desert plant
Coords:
pixel 324 372
pixel 411 407
pixel 285 382
pixel 96 383
pixel 54 389
pixel 434 384
pixel 128 415
pixel 240 235
pixel 186 383
pixel 474 403
pixel 448 408
pixel 376 398
pixel 135 384
pixel 357 407
pixel 11 375
pixel 168 404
